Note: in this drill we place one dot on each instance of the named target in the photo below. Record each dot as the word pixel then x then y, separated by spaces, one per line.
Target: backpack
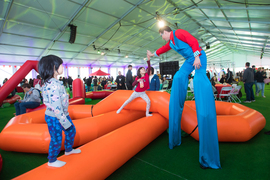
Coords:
pixel 40 95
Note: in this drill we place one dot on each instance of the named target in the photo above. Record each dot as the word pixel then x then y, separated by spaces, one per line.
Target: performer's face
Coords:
pixel 165 35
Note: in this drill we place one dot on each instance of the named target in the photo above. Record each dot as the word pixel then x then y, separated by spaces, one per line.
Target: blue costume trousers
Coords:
pixel 205 108
pixel 55 130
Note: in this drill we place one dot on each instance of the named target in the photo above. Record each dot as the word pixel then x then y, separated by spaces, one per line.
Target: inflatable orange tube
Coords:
pixel 235 122
pixel 29 132
pixel 101 157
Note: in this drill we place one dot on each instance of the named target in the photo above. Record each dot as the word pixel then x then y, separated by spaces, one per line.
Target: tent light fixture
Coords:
pixel 102 53
pixel 98 51
pixel 126 56
pixel 161 23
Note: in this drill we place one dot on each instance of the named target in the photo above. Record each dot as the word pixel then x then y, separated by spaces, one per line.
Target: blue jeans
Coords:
pixel 260 87
pixel 249 91
pixel 256 85
pixel 55 130
pixel 88 88
pixel 21 107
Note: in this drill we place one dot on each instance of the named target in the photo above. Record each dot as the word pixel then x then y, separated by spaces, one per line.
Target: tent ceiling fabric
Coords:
pixel 30 29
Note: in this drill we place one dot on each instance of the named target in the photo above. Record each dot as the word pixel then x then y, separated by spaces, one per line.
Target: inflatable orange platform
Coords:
pixel 235 122
pixel 99 157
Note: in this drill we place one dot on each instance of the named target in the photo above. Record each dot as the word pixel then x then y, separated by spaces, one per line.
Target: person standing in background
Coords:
pixel 154 82
pixel 255 81
pixel 120 80
pixel 248 79
pixel 229 79
pixel 69 81
pixel 95 82
pixel 129 78
pixel 159 75
pixel 38 81
pixel 208 74
pixel 88 83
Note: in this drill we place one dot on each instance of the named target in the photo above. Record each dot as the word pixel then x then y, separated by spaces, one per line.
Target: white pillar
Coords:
pixel 79 72
pixel 65 71
pixel 14 69
pixel 90 69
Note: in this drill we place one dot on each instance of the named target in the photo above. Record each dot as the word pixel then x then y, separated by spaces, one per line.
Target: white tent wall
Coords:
pixel 240 58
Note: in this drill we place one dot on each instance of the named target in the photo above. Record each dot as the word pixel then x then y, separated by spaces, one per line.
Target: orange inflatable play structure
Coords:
pixel 109 140
pixel 235 122
pixel 125 135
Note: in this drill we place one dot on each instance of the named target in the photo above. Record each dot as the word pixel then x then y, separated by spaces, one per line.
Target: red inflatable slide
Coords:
pixel 12 83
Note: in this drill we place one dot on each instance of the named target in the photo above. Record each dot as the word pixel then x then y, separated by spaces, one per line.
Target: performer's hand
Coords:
pixel 30 92
pixel 149 54
pixel 197 62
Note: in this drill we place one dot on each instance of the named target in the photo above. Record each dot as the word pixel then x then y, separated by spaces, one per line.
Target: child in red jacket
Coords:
pixel 142 82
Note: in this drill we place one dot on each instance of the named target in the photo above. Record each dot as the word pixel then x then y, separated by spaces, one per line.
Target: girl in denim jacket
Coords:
pixel 56 114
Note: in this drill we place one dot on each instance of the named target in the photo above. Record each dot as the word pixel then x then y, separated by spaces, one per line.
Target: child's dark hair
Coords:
pixel 152 70
pixel 47 65
pixel 138 72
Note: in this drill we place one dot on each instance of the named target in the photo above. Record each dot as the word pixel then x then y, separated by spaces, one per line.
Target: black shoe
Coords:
pixel 268 132
pixel 201 166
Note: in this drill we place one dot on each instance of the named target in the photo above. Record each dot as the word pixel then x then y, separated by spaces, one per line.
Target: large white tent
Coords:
pixel 236 30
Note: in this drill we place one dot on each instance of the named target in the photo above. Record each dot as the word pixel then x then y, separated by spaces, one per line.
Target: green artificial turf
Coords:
pixel 247 160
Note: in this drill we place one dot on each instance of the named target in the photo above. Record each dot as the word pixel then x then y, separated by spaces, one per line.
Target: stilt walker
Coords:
pixel 185 44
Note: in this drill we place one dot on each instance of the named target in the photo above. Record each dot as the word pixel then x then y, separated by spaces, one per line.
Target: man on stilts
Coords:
pixel 185 44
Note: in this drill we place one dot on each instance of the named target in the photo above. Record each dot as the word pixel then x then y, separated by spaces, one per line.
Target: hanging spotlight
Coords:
pixel 94 47
pixel 102 53
pixel 98 51
pixel 119 51
pixel 144 58
pixel 161 23
pixel 208 45
pixel 126 56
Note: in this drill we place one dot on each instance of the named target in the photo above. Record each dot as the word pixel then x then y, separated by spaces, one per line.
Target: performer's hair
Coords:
pixel 47 65
pixel 165 28
pixel 247 64
pixel 129 65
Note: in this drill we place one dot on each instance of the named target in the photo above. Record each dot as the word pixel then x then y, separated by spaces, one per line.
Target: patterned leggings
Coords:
pixel 55 130
pixel 134 95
